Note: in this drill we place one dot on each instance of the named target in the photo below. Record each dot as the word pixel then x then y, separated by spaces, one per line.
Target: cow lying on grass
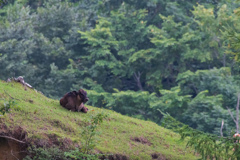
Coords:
pixel 74 101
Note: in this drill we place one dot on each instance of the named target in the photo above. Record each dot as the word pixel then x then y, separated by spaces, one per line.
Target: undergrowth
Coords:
pixel 8 105
pixel 89 136
pixel 209 146
pixel 44 153
pixel 90 132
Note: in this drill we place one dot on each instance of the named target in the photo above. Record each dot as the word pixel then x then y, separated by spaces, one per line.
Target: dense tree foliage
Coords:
pixel 134 57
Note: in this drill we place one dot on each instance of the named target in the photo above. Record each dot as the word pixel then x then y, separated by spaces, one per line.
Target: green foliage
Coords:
pixel 200 100
pixel 16 33
pixel 2 3
pixel 110 44
pixel 212 91
pixel 172 102
pixel 216 81
pixel 205 113
pixel 78 155
pixel 99 99
pixel 8 106
pixel 210 146
pixel 90 132
pixel 45 153
pixel 46 45
pixel 135 104
pixel 88 135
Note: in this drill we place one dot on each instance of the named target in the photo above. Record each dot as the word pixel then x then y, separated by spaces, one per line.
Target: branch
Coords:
pixel 12 139
pixel 13 155
pixel 237 113
pixel 231 114
pixel 194 88
pixel 222 128
pixel 137 79
pixel 224 60
pixel 157 9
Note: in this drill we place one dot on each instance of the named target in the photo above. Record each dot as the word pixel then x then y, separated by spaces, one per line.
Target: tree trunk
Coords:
pixel 137 79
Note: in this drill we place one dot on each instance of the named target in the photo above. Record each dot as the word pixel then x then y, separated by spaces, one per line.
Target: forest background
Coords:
pixel 135 57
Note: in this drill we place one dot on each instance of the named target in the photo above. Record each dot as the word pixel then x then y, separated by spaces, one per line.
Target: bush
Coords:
pixel 53 153
pixel 78 155
pixel 89 136
pixel 8 105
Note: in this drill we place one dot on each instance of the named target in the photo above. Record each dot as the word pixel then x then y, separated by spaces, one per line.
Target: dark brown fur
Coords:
pixel 74 101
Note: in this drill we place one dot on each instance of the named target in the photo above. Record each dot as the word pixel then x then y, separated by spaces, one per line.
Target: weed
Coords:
pixel 78 155
pixel 89 135
pixel 8 105
pixel 90 131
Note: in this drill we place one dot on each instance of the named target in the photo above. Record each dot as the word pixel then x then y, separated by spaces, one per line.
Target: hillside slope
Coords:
pixel 42 121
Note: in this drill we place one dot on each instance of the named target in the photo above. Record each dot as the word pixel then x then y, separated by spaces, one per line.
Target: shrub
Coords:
pixel 53 153
pixel 8 105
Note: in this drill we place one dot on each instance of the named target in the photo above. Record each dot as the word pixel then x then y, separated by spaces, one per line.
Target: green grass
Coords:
pixel 40 116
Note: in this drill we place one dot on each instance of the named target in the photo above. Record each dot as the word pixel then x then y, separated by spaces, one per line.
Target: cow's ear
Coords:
pixel 82 92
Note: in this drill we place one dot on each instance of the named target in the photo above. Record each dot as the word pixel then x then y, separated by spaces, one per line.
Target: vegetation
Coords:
pixel 45 153
pixel 210 146
pixel 7 106
pixel 49 125
pixel 89 132
pixel 88 135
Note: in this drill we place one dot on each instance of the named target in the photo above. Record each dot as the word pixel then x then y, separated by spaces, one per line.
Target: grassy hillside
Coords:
pixel 43 118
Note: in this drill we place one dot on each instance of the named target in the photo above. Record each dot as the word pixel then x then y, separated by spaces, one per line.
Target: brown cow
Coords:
pixel 74 101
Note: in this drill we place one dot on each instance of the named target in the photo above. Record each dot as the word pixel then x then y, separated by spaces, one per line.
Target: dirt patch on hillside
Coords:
pixel 64 127
pixel 11 150
pixel 114 157
pixel 51 140
pixel 141 140
pixel 12 143
pixel 158 156
pixel 117 157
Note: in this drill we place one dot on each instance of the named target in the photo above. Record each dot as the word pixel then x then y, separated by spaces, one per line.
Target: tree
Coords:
pixel 16 42
pixel 110 45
